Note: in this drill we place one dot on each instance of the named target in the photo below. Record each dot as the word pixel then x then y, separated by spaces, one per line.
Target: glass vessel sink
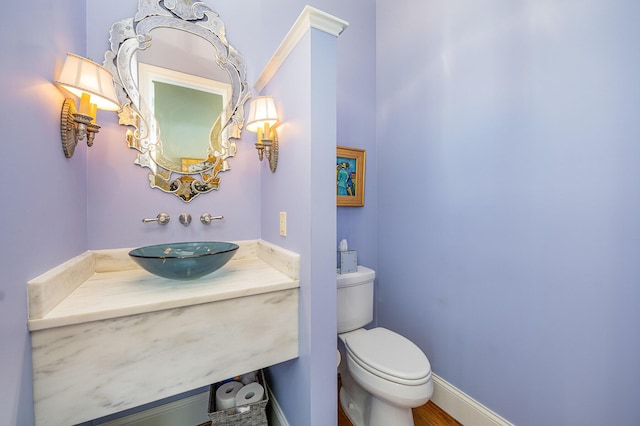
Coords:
pixel 184 261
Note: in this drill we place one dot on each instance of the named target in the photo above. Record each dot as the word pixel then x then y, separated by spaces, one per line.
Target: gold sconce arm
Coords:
pixel 75 127
pixel 262 118
pixel 93 84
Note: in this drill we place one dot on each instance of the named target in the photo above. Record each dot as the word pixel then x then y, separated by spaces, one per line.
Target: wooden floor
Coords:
pixel 428 414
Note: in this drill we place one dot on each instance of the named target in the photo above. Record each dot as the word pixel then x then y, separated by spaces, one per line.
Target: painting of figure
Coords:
pixel 350 165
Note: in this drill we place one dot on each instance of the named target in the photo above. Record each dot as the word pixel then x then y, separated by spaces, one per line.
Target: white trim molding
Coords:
pixel 309 18
pixel 462 407
pixel 276 416
pixel 191 410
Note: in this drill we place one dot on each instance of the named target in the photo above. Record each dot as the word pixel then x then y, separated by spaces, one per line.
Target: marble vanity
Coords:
pixel 107 336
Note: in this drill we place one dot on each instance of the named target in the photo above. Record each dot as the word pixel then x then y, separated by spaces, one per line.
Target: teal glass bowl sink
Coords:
pixel 184 261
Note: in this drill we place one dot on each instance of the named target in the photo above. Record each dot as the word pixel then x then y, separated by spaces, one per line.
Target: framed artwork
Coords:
pixel 350 166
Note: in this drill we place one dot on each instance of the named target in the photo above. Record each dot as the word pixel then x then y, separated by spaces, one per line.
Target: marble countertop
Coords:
pixel 106 284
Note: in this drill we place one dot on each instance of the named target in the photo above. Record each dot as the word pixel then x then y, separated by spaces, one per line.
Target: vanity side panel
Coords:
pixel 109 260
pixel 49 289
pixel 281 259
pixel 86 371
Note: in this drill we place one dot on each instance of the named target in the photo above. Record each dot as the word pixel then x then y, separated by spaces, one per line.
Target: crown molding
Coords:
pixel 309 18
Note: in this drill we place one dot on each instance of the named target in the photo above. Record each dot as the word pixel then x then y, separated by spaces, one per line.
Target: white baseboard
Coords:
pixel 188 411
pixel 191 410
pixel 462 407
pixel 276 416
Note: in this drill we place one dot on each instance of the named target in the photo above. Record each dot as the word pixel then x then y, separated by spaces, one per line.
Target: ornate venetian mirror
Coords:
pixel 183 89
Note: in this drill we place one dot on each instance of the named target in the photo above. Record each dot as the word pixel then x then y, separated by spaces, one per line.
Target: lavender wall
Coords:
pixel 514 200
pixel 304 187
pixel 288 191
pixel 96 199
pixel 356 128
pixel 118 193
pixel 43 219
pixel 251 197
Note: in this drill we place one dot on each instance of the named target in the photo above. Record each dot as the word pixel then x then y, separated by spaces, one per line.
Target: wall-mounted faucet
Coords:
pixel 207 218
pixel 185 219
pixel 162 219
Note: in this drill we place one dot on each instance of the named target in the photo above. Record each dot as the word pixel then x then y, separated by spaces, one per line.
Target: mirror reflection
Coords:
pixel 185 94
pixel 183 88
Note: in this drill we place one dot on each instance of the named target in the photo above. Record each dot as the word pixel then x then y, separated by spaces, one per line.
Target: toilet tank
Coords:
pixel 355 299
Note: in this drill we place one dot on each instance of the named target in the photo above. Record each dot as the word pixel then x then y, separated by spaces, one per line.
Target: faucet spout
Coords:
pixel 185 219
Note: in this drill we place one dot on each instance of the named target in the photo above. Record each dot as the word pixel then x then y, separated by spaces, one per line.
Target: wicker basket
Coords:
pixel 254 414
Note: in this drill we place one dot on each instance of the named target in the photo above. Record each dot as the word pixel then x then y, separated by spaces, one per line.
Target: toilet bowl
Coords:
pixel 384 375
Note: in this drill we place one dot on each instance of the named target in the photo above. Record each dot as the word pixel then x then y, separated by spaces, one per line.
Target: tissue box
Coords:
pixel 254 414
pixel 347 261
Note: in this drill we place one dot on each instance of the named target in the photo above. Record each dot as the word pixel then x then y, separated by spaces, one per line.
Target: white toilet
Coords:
pixel 384 375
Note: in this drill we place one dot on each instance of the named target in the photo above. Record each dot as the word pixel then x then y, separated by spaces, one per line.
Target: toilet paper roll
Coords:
pixel 226 395
pixel 247 378
pixel 253 392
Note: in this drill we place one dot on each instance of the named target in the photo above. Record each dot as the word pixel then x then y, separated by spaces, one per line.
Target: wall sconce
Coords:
pixel 93 84
pixel 262 117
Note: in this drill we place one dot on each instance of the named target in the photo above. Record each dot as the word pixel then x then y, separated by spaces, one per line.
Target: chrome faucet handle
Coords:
pixel 185 219
pixel 207 218
pixel 162 219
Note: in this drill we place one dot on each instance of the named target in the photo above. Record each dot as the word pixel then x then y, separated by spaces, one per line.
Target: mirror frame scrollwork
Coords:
pixel 130 35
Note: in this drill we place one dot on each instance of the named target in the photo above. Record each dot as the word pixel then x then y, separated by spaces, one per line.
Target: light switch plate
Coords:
pixel 283 224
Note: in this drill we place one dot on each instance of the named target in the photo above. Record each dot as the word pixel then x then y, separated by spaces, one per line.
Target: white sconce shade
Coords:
pixel 262 110
pixel 94 86
pixel 80 75
pixel 262 117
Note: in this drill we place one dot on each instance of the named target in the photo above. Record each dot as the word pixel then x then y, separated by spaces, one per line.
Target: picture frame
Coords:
pixel 350 172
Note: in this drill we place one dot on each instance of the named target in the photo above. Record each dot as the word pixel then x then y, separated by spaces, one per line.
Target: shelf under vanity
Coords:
pixel 107 336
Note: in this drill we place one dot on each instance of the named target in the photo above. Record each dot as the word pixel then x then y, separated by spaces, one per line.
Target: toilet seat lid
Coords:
pixel 390 354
